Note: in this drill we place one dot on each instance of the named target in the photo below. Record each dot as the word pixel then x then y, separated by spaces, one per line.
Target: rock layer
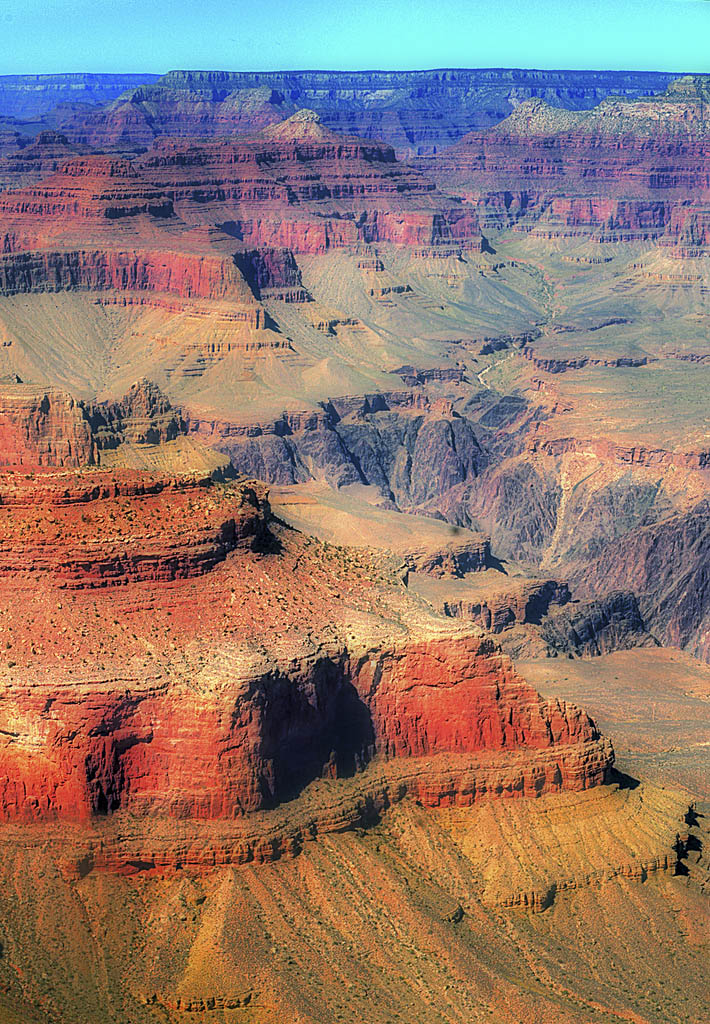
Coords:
pixel 157 751
pixel 420 111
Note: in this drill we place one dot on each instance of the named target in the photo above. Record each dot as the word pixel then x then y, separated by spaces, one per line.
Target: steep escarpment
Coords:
pixel 621 172
pixel 47 427
pixel 185 275
pixel 219 221
pixel 270 732
pixel 31 160
pixel 416 112
pixel 42 428
pixel 219 693
pixel 87 189
pixel 611 522
pixel 354 191
pixel 413 456
pixel 611 623
pixel 666 564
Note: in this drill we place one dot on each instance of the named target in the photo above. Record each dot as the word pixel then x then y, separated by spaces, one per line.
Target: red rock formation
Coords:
pixel 134 120
pixel 187 275
pixel 467 701
pixel 97 529
pixel 167 751
pixel 90 190
pixel 148 730
pixel 689 230
pixel 620 172
pixel 443 781
pixel 39 158
pixel 298 186
pixel 42 427
pixel 219 220
pixel 303 187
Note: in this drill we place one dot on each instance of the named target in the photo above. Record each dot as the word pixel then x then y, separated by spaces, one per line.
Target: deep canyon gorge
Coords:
pixel 355 547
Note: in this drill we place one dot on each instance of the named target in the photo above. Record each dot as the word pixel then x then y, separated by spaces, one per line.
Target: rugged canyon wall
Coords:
pixel 223 230
pixel 269 733
pixel 417 112
pixel 474 436
pixel 624 171
pixel 32 96
pixel 229 712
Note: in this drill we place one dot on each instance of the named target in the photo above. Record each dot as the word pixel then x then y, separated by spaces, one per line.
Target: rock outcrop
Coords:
pixel 160 751
pixel 185 275
pixel 414 456
pixel 354 192
pixel 97 529
pixel 593 628
pixel 210 707
pixel 451 560
pixel 666 564
pixel 624 171
pixel 42 427
pixel 506 603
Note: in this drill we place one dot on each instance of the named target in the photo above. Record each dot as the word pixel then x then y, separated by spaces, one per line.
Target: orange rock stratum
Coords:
pixel 159 662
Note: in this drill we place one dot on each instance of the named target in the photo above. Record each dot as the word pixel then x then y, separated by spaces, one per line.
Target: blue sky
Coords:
pixel 44 36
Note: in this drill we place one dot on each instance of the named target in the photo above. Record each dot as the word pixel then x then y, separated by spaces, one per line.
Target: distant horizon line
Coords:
pixel 354 71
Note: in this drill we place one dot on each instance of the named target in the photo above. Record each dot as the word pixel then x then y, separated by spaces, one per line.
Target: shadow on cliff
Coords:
pixel 268 543
pixel 692 816
pixel 622 780
pixel 325 732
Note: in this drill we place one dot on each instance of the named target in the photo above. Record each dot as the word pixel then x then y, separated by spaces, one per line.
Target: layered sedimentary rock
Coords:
pixel 619 172
pixel 81 531
pixel 304 187
pixel 503 603
pixel 260 175
pixel 188 685
pixel 185 275
pixel 42 427
pixel 35 159
pixel 31 96
pixel 143 416
pixel 454 559
pixel 88 190
pixel 415 111
pixel 340 929
pixel 269 732
pixel 219 222
pixel 217 696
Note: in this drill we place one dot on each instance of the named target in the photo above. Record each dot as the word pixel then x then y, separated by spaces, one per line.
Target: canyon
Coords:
pixel 355 632
pixel 417 112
